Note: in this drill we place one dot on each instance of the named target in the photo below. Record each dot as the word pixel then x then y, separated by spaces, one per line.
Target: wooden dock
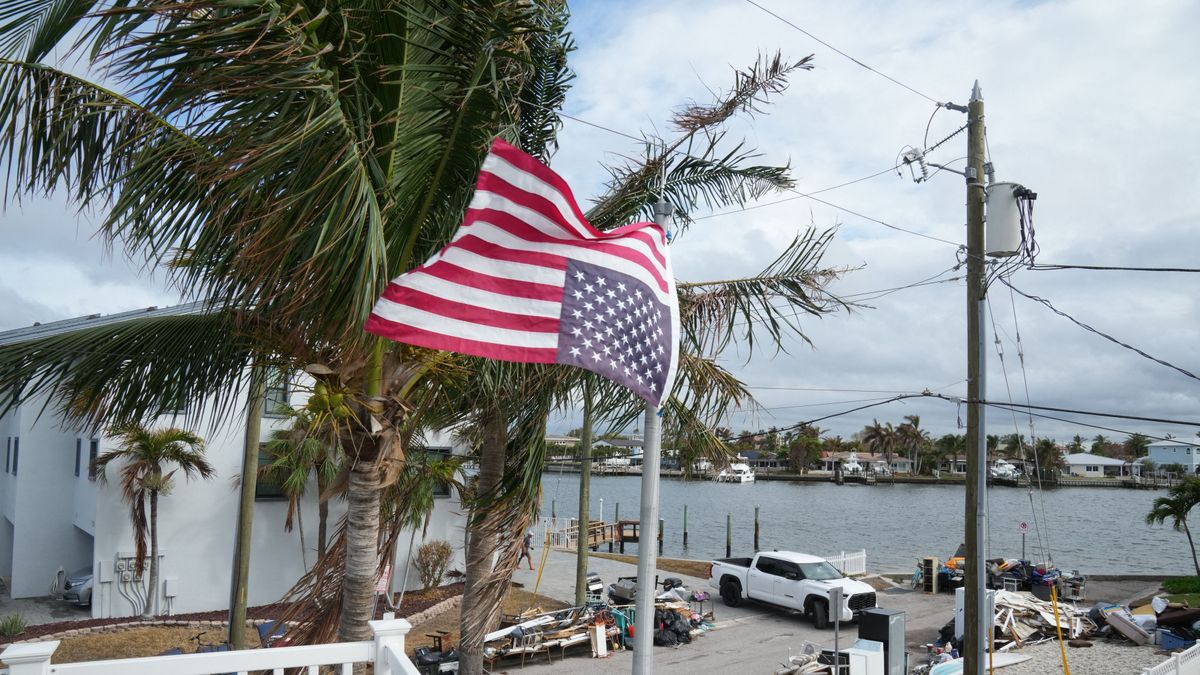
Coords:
pixel 614 535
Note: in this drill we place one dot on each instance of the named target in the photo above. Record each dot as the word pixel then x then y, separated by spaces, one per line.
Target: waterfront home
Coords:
pixel 871 461
pixel 762 461
pixel 1087 465
pixel 55 512
pixel 1175 451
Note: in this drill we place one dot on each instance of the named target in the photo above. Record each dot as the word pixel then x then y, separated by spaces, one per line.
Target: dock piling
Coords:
pixel 685 525
pixel 660 535
pixel 755 529
pixel 728 535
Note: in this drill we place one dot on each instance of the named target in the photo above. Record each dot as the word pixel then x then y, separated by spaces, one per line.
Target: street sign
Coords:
pixel 1023 527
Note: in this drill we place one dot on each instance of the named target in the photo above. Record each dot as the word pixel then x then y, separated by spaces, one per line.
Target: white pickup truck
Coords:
pixel 796 581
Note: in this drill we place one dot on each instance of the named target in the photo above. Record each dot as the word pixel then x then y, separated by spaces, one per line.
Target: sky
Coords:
pixel 1086 104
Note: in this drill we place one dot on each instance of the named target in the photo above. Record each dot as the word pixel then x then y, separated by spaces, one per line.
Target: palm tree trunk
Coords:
pixel 303 547
pixel 322 516
pixel 481 548
pixel 152 593
pixel 362 552
pixel 1193 547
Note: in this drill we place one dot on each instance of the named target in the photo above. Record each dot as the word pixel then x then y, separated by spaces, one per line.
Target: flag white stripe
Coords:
pixel 484 199
pixel 528 182
pixel 485 300
pixel 435 323
pixel 531 183
pixel 497 235
pixel 502 268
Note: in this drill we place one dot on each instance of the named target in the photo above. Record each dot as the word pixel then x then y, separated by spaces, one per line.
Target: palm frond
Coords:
pixel 751 88
pixel 714 313
pixel 32 28
pixel 545 91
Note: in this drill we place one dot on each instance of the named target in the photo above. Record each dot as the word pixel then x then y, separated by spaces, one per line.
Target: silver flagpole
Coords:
pixel 643 638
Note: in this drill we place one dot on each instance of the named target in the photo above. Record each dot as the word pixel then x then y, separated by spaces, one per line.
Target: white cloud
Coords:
pixel 1088 103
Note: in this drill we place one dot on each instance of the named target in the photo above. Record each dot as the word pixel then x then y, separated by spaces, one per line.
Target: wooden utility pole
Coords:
pixel 241 547
pixel 585 485
pixel 975 624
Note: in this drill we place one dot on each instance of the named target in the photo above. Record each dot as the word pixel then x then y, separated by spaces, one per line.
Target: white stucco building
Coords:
pixel 1175 451
pixel 1087 465
pixel 54 512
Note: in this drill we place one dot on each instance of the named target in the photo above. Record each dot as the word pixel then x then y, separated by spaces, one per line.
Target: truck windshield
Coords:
pixel 820 571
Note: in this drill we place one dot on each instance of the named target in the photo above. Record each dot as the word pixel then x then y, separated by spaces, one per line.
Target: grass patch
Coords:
pixel 692 568
pixel 1182 585
pixel 131 643
pixel 1190 599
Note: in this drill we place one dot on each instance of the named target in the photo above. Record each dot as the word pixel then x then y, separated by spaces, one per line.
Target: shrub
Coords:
pixel 432 559
pixel 1182 585
pixel 12 625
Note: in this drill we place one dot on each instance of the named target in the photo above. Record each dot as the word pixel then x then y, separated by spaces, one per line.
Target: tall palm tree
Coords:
pixel 1176 506
pixel 280 165
pixel 151 458
pixel 911 436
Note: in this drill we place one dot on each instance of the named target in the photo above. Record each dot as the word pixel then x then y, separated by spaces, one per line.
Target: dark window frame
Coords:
pixel 266 491
pixel 93 454
pixel 441 490
pixel 78 455
pixel 16 454
pixel 277 394
pixel 7 454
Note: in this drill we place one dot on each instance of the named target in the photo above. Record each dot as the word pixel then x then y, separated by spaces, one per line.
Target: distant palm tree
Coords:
pixel 1176 506
pixel 880 439
pixel 151 459
pixel 911 436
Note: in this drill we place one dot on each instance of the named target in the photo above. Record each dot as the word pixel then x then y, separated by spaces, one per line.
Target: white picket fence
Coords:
pixel 385 653
pixel 850 563
pixel 1186 662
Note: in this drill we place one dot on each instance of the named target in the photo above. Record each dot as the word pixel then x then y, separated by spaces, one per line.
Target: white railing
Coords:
pixel 850 563
pixel 1186 662
pixel 385 653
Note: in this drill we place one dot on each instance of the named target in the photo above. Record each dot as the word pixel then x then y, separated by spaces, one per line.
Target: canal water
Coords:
pixel 1093 530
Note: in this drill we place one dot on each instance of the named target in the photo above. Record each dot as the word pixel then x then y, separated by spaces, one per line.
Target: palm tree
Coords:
pixel 880 439
pixel 282 166
pixel 295 457
pixel 151 459
pixel 1076 444
pixel 913 437
pixel 1176 506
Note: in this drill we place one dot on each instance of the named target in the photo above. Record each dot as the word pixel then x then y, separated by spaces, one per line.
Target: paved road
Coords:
pixel 753 638
pixel 749 639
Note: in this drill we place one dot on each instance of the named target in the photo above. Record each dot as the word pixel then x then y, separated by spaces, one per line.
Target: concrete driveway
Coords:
pixel 37 611
pixel 756 638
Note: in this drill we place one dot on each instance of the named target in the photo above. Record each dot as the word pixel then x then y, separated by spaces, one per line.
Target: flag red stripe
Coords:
pixel 483 316
pixel 518 228
pixel 486 282
pixel 489 250
pixel 491 182
pixel 431 340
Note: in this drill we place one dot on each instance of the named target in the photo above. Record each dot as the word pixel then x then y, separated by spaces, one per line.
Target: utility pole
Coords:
pixel 976 625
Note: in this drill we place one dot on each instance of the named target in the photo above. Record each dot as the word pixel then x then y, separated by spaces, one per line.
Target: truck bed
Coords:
pixel 739 562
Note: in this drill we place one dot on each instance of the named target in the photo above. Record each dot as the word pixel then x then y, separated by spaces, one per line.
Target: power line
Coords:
pixel 764 205
pixel 1043 267
pixel 1102 334
pixel 842 53
pixel 1091 413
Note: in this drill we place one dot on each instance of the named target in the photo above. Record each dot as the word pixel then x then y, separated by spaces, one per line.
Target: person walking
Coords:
pixel 526 550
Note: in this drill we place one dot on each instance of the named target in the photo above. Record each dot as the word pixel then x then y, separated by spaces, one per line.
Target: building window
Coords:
pixel 265 489
pixel 433 455
pixel 16 453
pixel 1092 469
pixel 177 405
pixel 278 394
pixel 78 455
pixel 93 454
pixel 7 454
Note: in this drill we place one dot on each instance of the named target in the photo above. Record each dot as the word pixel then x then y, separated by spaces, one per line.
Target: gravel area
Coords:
pixel 1102 658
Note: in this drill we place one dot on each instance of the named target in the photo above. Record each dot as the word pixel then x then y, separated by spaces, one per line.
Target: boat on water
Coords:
pixel 851 466
pixel 738 472
pixel 1002 468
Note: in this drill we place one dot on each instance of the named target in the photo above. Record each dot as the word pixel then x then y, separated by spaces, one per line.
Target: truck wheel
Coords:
pixel 731 593
pixel 820 615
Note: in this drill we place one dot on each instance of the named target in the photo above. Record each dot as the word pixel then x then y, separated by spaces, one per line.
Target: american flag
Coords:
pixel 526 278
